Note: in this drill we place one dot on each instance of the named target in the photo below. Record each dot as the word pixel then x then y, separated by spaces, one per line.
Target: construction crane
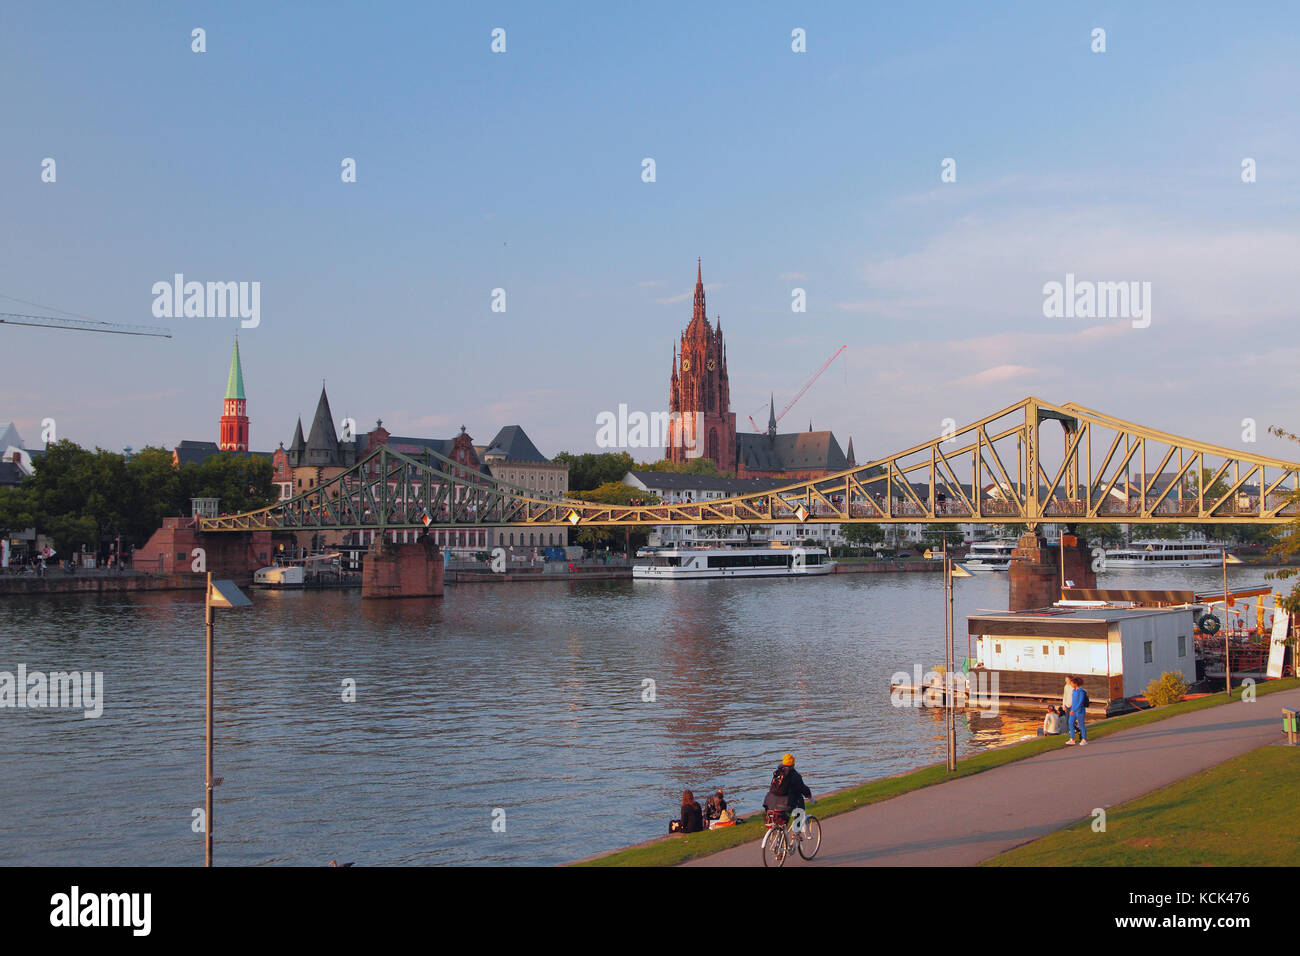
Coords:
pixel 807 385
pixel 82 325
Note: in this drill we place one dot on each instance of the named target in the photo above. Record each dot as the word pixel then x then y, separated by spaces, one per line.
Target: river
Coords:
pixel 519 704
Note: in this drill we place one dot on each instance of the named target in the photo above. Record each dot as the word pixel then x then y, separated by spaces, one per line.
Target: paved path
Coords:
pixel 965 821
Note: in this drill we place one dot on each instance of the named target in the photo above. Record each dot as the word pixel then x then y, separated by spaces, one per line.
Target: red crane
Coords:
pixel 807 385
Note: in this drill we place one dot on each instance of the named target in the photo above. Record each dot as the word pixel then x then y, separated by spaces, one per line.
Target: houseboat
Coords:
pixel 989 556
pixel 1116 651
pixel 1165 554
pixel 672 564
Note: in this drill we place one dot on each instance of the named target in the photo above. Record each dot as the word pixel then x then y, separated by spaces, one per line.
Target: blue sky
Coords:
pixel 522 171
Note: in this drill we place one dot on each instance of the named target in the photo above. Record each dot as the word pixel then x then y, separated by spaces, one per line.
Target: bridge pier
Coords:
pixel 402 570
pixel 1035 570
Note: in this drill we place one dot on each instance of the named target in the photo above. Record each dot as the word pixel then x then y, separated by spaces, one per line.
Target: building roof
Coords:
pixel 196 452
pixel 235 381
pixel 796 451
pixel 416 446
pixel 9 436
pixel 512 444
pixel 298 444
pixel 323 440
pixel 675 481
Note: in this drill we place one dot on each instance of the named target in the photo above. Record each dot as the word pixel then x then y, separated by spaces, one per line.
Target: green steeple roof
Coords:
pixel 235 383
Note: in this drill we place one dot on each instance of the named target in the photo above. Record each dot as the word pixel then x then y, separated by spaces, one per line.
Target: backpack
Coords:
pixel 1081 699
pixel 780 779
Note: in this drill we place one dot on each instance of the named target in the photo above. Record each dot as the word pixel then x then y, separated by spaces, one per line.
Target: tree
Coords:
pixel 614 493
pixel 1102 535
pixel 591 471
pixel 862 535
pixel 695 466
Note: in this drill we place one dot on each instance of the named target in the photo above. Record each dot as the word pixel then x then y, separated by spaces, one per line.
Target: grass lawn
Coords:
pixel 1240 813
pixel 671 850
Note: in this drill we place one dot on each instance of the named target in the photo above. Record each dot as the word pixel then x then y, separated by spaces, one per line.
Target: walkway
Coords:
pixel 965 821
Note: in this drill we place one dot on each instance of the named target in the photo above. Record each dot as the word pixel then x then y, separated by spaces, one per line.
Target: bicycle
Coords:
pixel 787 830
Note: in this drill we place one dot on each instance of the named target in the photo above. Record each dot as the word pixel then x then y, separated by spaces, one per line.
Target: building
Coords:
pixel 1116 651
pixel 701 422
pixel 512 457
pixel 17 464
pixel 233 433
pixel 675 488
pixel 794 456
pixel 234 418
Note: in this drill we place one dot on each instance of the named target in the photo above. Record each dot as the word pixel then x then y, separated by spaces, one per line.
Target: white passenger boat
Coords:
pixel 989 556
pixel 680 563
pixel 1165 554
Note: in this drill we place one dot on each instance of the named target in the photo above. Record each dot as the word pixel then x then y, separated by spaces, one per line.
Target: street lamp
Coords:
pixel 220 594
pixel 951 570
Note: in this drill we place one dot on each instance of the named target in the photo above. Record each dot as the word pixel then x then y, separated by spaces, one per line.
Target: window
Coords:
pixel 997 648
pixel 1182 646
pixel 1046 650
pixel 1061 650
pixel 1146 652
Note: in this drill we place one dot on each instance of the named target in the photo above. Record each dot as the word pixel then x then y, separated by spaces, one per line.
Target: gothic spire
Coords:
pixel 235 381
pixel 771 417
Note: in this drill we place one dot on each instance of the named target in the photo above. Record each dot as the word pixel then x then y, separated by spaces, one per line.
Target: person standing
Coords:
pixel 1078 712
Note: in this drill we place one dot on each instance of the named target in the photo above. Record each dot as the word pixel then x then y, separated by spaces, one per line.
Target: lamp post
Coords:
pixel 222 594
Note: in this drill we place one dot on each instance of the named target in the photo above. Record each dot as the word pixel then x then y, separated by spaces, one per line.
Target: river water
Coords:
pixel 515 703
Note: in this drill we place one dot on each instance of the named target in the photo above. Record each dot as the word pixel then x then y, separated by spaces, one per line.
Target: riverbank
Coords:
pixel 83 582
pixel 1013 803
pixel 1250 799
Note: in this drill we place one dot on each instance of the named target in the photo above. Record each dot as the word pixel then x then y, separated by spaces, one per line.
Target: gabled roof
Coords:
pixel 512 444
pixel 796 451
pixel 197 452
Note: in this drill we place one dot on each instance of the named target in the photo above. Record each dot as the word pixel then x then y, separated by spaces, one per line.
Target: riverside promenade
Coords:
pixel 966 821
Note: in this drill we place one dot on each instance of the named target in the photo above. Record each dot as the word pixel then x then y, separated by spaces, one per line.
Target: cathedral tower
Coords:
pixel 699 392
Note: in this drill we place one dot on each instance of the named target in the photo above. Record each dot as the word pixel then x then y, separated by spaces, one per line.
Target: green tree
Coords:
pixel 614 493
pixel 862 535
pixel 590 470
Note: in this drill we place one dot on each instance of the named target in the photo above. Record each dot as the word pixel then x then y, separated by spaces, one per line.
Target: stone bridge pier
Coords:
pixel 1035 571
pixel 402 570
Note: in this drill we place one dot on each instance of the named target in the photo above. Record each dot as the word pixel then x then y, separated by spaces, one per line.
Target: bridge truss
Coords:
pixel 1002 469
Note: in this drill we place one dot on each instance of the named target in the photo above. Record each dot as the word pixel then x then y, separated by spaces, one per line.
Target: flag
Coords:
pixel 427 520
pixel 959 572
pixel 1231 558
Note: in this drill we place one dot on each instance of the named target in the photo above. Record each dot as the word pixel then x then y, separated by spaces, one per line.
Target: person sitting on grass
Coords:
pixel 692 819
pixel 1051 722
pixel 1078 711
pixel 714 806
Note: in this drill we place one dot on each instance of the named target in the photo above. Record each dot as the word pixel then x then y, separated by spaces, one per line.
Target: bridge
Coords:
pixel 997 470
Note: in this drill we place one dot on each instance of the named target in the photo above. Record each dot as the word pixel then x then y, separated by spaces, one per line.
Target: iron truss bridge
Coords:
pixel 998 470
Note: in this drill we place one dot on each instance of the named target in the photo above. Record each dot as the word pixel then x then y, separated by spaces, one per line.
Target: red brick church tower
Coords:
pixel 234 420
pixel 699 394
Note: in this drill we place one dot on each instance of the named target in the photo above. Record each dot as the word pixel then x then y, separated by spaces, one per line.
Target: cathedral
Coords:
pixel 703 424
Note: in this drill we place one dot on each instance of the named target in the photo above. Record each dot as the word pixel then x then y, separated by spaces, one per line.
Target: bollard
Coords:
pixel 1290 719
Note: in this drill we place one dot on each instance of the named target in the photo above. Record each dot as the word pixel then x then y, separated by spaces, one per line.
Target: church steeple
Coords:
pixel 234 418
pixel 771 417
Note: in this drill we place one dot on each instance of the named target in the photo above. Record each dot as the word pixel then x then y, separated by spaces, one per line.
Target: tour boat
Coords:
pixel 1165 554
pixel 989 556
pixel 757 562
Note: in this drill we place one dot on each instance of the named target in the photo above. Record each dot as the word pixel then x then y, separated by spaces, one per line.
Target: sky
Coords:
pixel 522 170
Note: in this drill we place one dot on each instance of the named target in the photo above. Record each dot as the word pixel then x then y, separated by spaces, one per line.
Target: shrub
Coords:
pixel 1170 688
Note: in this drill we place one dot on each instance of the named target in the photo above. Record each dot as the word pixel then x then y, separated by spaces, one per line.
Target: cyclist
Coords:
pixel 788 789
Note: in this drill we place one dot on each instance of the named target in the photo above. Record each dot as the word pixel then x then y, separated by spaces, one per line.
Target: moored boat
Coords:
pixel 744 562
